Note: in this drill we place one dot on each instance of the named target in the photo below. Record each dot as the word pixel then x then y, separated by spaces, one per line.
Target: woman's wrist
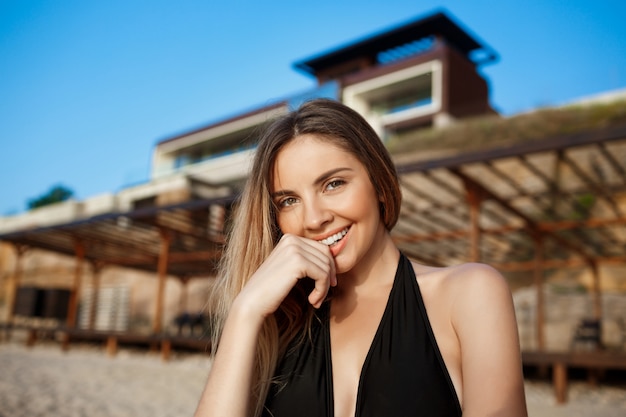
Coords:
pixel 243 312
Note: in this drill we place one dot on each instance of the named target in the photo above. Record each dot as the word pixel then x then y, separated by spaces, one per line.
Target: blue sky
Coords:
pixel 87 88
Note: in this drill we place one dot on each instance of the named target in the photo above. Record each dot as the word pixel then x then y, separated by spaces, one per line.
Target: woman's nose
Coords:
pixel 316 215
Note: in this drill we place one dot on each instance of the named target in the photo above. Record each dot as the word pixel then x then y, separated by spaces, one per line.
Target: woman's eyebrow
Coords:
pixel 330 173
pixel 281 193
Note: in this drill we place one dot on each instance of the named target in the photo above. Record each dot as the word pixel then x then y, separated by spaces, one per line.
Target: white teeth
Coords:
pixel 334 238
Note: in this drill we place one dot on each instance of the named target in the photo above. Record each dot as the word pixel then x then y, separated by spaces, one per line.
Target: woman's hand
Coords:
pixel 293 258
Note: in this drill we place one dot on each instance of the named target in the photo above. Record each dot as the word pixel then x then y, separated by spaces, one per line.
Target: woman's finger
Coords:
pixel 324 276
pixel 292 259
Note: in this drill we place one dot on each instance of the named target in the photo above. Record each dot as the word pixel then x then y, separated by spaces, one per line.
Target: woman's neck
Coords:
pixel 377 268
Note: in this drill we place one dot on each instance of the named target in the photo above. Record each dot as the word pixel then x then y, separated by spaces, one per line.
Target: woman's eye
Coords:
pixel 334 184
pixel 286 202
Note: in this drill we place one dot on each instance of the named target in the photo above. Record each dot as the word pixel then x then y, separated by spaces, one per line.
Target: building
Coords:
pixel 419 74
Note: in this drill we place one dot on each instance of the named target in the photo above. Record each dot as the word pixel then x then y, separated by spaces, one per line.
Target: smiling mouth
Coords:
pixel 331 240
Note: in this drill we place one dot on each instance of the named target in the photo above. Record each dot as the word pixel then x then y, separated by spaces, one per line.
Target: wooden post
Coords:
pixel 474 200
pixel 166 239
pixel 559 380
pixel 79 250
pixel 72 308
pixel 597 292
pixel 14 282
pixel 166 349
pixel 97 267
pixel 538 279
pixel 111 345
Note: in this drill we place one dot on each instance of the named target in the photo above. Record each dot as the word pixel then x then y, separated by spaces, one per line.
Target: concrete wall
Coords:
pixel 563 313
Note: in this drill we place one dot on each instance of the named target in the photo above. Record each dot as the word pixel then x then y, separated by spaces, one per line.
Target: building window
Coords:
pixel 404 95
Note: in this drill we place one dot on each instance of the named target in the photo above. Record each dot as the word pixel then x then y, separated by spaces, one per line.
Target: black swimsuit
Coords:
pixel 403 374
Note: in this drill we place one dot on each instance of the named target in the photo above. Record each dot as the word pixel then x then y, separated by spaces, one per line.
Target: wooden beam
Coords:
pixel 422 259
pixel 556 263
pixel 530 223
pixel 205 255
pixel 131 262
pixel 547 226
pixel 596 187
pixel 431 237
pixel 174 257
pixel 612 161
pixel 579 224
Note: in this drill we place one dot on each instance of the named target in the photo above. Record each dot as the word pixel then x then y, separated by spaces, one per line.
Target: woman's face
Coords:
pixel 324 193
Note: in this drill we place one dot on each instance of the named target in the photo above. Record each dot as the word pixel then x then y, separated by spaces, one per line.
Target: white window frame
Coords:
pixel 355 95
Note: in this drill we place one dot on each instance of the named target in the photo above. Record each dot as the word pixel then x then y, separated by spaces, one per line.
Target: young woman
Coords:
pixel 322 315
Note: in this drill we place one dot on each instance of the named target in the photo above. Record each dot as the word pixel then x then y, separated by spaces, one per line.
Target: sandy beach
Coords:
pixel 83 382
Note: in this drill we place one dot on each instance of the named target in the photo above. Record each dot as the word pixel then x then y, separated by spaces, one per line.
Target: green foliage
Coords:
pixel 484 132
pixel 56 194
pixel 584 205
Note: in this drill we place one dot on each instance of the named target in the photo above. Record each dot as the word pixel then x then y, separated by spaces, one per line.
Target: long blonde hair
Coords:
pixel 255 232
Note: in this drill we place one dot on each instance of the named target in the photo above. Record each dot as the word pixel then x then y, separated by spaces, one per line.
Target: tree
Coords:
pixel 56 194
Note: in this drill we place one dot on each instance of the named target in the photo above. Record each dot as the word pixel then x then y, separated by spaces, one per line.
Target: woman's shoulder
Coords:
pixel 459 284
pixel 461 275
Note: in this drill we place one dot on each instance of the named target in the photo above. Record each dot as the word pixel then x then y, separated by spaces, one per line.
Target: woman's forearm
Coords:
pixel 227 391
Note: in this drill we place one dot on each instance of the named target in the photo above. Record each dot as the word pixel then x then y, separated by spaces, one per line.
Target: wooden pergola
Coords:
pixel 181 240
pixel 534 206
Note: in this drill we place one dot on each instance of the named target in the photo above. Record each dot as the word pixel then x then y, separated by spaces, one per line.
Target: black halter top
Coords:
pixel 403 373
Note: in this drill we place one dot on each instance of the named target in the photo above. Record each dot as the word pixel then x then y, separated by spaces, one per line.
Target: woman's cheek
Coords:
pixel 288 222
